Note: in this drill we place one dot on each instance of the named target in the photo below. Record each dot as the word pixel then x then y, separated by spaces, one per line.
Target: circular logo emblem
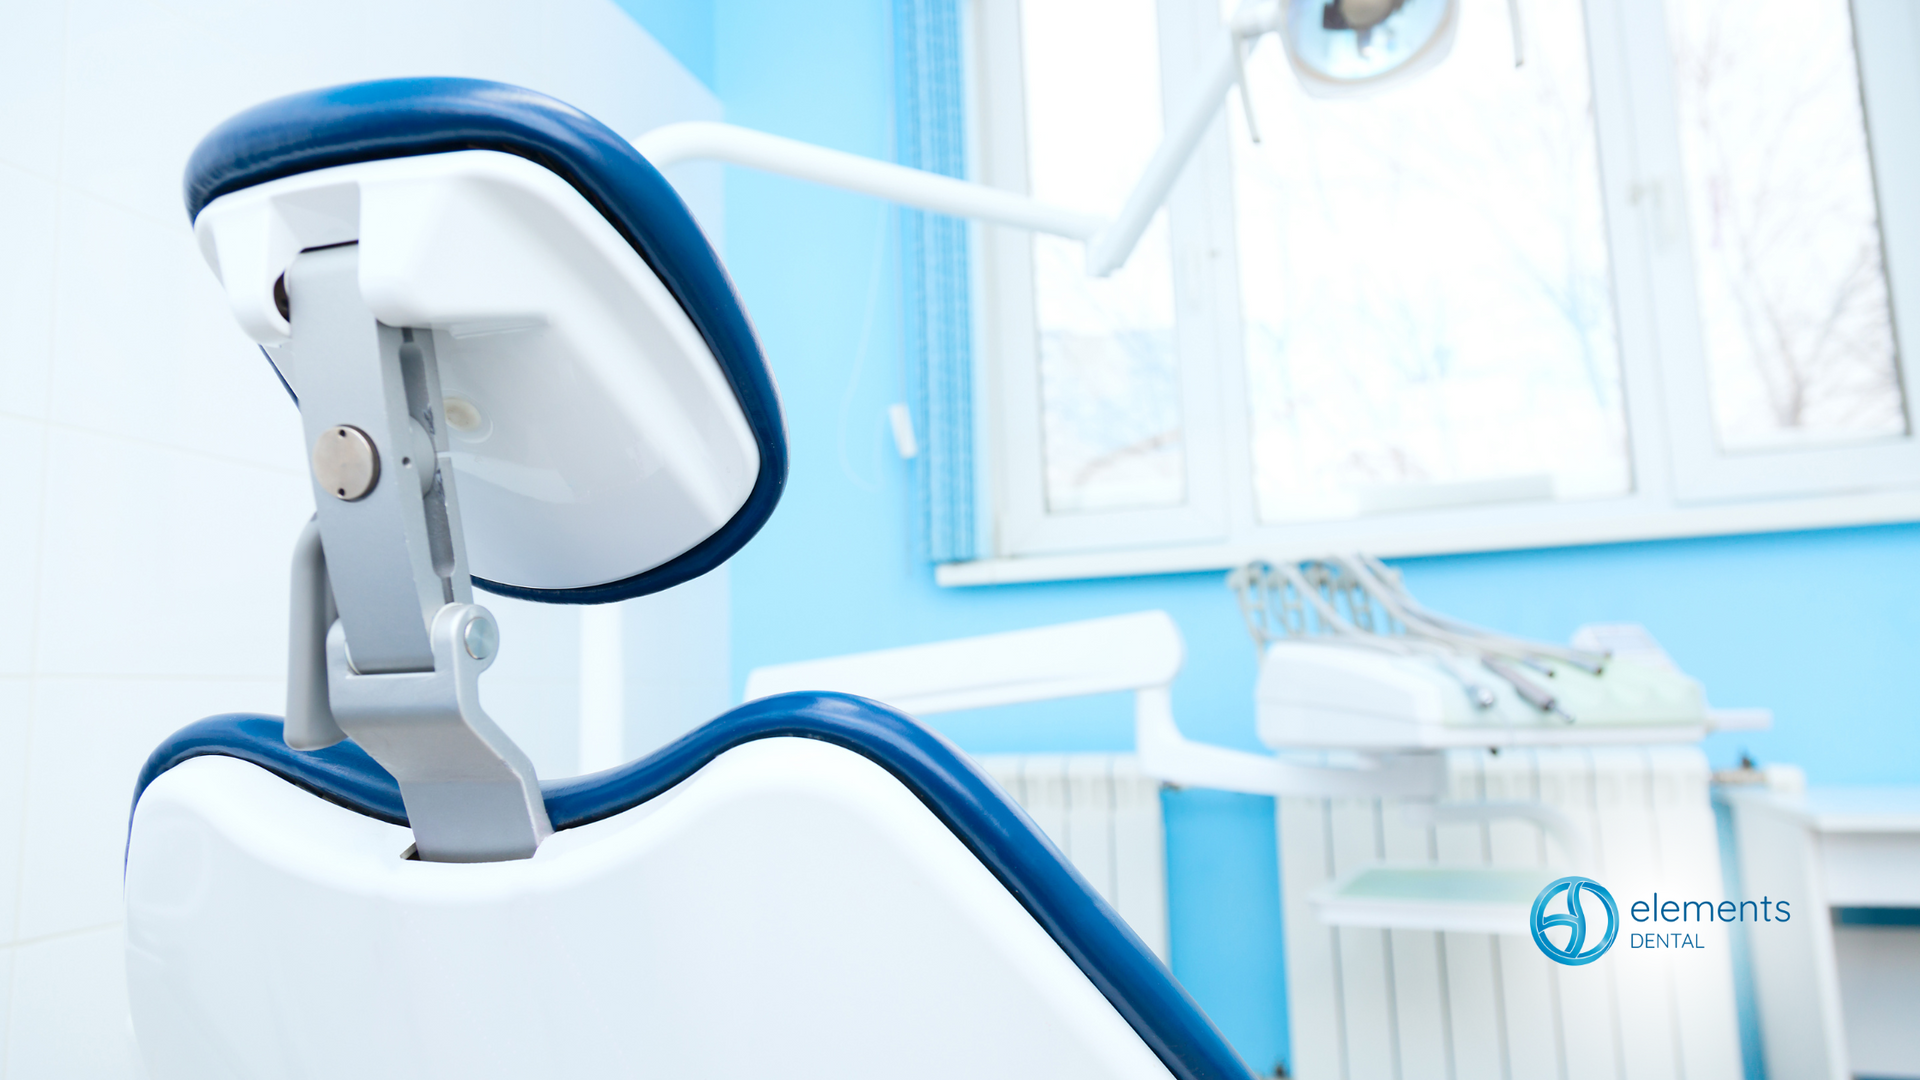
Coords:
pixel 1574 948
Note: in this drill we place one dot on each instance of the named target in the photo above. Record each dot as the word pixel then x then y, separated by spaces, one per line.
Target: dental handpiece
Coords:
pixel 1530 692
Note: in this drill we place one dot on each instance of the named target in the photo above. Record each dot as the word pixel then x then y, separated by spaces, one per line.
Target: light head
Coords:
pixel 1340 48
pixel 1346 48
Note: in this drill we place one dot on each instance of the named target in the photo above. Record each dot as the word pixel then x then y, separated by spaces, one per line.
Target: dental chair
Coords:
pixel 519 366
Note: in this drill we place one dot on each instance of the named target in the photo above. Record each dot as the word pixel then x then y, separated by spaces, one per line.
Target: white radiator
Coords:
pixel 1369 1004
pixel 1105 816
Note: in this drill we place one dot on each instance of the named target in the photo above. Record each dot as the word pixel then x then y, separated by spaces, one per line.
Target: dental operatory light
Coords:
pixel 1344 47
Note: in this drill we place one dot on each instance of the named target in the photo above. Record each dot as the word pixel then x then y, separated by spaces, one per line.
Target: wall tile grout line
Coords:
pixel 62 935
pixel 164 677
pixel 172 448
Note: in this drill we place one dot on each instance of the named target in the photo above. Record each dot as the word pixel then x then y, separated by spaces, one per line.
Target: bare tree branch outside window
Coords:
pixel 1787 249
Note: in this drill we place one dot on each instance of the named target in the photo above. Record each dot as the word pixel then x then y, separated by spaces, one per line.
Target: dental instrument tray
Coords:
pixel 1350 660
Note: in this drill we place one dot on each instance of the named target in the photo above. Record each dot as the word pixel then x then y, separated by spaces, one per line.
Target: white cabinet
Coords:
pixel 1836 995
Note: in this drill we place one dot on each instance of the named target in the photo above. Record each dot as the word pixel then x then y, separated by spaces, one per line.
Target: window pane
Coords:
pixel 1786 236
pixel 1424 282
pixel 1109 377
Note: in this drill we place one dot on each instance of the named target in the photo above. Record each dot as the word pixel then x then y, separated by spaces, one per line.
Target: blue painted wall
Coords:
pixel 1819 626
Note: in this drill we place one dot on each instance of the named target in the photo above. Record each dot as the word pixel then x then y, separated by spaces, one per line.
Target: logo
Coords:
pixel 1574 950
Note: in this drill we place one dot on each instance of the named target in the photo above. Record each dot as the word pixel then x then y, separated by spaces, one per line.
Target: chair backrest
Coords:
pixel 608 411
pixel 1141 651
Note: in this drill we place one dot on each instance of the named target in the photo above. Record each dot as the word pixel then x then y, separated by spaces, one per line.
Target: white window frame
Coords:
pixel 1683 483
pixel 1021 521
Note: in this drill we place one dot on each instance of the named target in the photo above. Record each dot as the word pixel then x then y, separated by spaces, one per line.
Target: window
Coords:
pixel 1109 373
pixel 1608 272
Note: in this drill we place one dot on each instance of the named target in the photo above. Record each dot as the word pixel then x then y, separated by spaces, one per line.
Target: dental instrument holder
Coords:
pixel 397 670
pixel 1353 601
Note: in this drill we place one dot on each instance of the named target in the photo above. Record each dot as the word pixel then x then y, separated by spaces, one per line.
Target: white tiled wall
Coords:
pixel 151 481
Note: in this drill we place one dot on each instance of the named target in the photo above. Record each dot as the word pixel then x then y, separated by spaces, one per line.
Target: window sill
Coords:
pixel 1488 529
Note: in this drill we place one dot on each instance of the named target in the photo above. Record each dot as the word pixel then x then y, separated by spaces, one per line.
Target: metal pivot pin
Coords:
pixel 481 638
pixel 345 463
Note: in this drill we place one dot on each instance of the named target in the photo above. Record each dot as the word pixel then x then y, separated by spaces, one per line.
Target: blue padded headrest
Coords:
pixel 407 117
pixel 999 833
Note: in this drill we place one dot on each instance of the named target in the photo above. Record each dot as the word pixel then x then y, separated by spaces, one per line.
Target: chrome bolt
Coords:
pixel 482 638
pixel 345 463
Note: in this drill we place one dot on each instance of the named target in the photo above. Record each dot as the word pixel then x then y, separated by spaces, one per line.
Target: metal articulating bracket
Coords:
pixel 386 643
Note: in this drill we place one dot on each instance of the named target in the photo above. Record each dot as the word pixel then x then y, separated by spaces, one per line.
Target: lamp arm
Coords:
pixel 1113 245
pixel 1109 243
pixel 705 141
